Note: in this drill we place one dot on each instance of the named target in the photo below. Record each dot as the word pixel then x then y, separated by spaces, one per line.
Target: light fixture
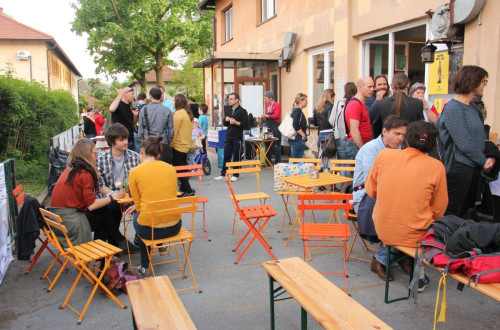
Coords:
pixel 427 53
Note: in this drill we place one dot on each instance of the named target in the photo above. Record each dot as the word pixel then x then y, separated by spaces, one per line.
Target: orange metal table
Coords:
pixel 259 147
pixel 305 181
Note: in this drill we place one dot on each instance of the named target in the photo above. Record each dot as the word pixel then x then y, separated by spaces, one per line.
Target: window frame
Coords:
pixel 264 6
pixel 311 74
pixel 227 14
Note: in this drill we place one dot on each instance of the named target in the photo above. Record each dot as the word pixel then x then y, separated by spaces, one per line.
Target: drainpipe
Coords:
pixel 213 26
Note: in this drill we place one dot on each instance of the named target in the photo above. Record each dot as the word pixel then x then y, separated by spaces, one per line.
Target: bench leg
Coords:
pixel 387 269
pixel 271 301
pixel 303 318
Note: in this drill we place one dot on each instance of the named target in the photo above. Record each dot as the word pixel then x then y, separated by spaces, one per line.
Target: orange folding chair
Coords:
pixel 19 195
pixel 80 257
pixel 161 212
pixel 336 234
pixel 250 166
pixel 256 218
pixel 196 170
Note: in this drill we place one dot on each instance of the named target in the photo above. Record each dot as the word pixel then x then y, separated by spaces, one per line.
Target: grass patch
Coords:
pixel 32 175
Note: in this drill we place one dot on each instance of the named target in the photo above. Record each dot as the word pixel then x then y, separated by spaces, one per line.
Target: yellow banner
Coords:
pixel 438 73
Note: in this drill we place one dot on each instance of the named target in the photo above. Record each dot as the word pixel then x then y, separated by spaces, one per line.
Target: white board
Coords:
pixel 252 99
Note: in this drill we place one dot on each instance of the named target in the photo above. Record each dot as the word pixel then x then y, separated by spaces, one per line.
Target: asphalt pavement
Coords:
pixel 236 296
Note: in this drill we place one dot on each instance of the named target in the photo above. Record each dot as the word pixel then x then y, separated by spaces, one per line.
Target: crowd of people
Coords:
pixel 413 164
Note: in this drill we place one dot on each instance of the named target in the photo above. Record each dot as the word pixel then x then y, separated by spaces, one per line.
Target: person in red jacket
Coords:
pixel 99 121
pixel 272 113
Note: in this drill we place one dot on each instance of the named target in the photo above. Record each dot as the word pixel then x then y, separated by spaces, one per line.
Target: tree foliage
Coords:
pixel 188 80
pixel 30 116
pixel 137 36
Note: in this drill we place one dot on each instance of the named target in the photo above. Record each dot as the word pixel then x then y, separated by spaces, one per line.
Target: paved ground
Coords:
pixel 236 296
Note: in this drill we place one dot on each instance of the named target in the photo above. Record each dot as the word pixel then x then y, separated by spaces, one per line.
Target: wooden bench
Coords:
pixel 491 290
pixel 330 306
pixel 156 305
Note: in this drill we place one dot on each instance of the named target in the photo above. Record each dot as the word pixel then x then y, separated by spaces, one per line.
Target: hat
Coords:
pixel 269 94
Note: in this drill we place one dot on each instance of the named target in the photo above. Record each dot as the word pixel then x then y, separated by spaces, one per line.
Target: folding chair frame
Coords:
pixel 19 196
pixel 191 171
pixel 80 257
pixel 312 232
pixel 162 208
pixel 261 215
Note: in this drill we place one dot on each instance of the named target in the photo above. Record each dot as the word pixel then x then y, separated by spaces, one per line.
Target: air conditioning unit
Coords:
pixel 23 54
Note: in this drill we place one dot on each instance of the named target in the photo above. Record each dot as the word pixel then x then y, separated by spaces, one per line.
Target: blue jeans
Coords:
pixel 346 149
pixel 297 147
pixel 381 254
pixel 137 144
pixel 232 150
pixel 146 232
pixel 131 145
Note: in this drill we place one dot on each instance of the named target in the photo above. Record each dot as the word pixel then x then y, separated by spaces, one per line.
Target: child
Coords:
pixel 197 132
pixel 202 110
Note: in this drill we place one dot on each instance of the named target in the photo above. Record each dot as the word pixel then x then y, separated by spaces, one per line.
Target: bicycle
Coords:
pixel 202 158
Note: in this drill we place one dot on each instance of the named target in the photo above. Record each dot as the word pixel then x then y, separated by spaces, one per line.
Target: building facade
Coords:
pixel 336 41
pixel 36 56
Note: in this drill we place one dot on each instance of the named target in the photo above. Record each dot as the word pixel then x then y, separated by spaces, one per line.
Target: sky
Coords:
pixel 54 17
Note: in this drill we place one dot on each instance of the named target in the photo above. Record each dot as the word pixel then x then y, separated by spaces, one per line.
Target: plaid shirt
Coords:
pixel 105 166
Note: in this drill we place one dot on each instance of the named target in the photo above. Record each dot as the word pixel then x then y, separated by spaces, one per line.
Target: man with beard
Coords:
pixel 381 92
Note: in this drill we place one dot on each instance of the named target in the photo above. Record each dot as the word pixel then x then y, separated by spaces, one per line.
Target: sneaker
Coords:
pixel 132 248
pixel 234 178
pixel 220 177
pixel 422 283
pixel 187 194
pixel 141 272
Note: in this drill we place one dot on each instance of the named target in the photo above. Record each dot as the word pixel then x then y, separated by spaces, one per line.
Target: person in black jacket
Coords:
pixel 236 119
pixel 321 116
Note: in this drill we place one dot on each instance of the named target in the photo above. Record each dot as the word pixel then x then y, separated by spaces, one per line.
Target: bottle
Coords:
pixel 118 183
pixel 439 73
pixel 125 186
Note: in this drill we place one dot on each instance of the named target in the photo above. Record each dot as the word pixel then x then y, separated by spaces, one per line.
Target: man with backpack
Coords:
pixel 357 121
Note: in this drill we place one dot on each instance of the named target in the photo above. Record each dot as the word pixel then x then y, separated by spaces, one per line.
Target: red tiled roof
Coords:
pixel 151 75
pixel 11 29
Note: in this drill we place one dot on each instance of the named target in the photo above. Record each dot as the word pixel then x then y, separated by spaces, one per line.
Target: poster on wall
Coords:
pixel 438 73
pixel 5 247
pixel 456 61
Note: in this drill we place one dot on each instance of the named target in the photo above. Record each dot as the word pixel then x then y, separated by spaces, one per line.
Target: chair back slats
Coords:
pixel 335 202
pixel 336 169
pixel 235 201
pixel 54 221
pixel 243 170
pixel 342 161
pixel 314 161
pixel 19 195
pixel 332 196
pixel 244 163
pixel 162 208
pixel 191 171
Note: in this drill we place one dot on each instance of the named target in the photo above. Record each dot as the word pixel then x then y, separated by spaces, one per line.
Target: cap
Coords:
pixel 269 94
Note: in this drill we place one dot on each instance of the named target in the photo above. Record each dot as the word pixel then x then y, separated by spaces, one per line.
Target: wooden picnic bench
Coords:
pixel 491 290
pixel 156 305
pixel 330 306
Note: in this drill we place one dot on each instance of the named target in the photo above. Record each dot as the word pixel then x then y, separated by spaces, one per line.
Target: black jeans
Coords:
pixel 180 159
pixel 105 223
pixel 232 150
pixel 459 179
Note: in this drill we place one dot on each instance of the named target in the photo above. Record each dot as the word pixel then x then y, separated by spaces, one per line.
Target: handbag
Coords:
pixel 196 144
pixel 328 146
pixel 286 127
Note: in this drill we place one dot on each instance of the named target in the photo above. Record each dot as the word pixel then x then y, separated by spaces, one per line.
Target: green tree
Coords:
pixel 138 35
pixel 188 80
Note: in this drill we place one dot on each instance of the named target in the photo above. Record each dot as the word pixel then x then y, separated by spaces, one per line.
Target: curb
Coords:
pixel 43 195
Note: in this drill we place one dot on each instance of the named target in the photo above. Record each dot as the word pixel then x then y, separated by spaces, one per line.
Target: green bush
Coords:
pixel 30 116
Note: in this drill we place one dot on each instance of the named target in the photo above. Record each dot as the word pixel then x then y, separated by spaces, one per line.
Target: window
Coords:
pixel 268 9
pixel 321 72
pixel 228 24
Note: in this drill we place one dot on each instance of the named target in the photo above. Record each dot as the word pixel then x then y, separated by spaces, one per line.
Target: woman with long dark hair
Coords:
pixel 462 138
pixel 321 115
pixel 74 199
pixel 152 180
pixel 183 126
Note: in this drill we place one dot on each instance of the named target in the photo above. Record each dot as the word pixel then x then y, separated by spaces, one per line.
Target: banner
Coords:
pixel 5 247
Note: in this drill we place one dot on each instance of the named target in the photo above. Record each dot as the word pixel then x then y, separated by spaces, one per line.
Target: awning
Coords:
pixel 218 56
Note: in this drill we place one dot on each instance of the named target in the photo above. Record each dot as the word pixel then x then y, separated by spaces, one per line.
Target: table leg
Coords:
pixel 271 301
pixel 122 209
pixel 266 151
pixel 303 318
pixel 297 215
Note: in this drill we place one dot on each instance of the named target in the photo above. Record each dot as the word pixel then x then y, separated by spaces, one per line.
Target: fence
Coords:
pixel 66 140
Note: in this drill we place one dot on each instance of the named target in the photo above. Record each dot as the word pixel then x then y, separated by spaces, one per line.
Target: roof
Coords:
pixel 11 29
pixel 206 4
pixel 237 56
pixel 167 77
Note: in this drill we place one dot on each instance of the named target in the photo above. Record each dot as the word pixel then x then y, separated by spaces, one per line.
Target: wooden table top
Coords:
pixel 330 306
pixel 325 179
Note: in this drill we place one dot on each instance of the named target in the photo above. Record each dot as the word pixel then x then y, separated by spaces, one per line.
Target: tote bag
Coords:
pixel 286 127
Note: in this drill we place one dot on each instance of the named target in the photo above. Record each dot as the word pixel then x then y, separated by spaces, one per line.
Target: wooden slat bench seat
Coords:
pixel 330 306
pixel 156 305
pixel 491 290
